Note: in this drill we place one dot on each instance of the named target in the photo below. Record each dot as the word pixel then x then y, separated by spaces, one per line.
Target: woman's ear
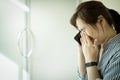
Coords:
pixel 100 20
pixel 100 23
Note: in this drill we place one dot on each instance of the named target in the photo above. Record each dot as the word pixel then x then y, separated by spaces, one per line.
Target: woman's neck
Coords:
pixel 110 33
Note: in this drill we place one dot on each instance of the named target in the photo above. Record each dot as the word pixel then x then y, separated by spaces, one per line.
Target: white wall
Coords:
pixel 55 53
pixel 113 4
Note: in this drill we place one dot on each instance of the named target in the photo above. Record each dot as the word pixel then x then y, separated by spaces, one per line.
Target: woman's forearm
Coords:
pixel 81 64
pixel 92 73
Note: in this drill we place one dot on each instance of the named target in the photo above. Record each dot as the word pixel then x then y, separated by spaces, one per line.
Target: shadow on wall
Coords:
pixel 9 70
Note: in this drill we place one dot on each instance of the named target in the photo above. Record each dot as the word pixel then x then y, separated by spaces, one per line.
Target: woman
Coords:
pixel 99 38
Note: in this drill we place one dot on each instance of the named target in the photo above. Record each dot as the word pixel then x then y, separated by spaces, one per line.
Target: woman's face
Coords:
pixel 91 31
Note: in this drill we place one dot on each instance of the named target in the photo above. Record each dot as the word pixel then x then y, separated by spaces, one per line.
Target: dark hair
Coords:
pixel 89 11
pixel 116 18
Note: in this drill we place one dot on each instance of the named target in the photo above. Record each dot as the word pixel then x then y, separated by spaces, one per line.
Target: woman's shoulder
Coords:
pixel 113 43
pixel 116 42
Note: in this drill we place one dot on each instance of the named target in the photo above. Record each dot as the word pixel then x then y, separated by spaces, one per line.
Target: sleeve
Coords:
pixel 112 71
pixel 81 77
pixel 84 77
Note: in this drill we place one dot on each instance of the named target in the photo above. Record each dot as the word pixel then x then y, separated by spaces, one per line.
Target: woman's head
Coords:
pixel 93 18
pixel 89 12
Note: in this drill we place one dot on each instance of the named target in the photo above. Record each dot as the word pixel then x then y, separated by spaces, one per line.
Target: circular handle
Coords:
pixel 25 42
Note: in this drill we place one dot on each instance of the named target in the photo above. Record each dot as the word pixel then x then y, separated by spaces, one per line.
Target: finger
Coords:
pixel 84 37
pixel 82 42
pixel 95 42
pixel 80 48
pixel 88 41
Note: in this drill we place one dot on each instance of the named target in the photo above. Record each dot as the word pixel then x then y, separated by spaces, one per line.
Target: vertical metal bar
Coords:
pixel 26 58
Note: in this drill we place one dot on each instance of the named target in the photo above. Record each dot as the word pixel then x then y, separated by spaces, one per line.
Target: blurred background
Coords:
pixel 37 40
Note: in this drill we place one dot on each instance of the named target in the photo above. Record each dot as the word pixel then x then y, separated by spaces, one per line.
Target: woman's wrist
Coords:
pixel 90 60
pixel 90 64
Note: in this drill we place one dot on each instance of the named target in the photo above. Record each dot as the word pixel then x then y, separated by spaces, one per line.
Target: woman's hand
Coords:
pixel 89 48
